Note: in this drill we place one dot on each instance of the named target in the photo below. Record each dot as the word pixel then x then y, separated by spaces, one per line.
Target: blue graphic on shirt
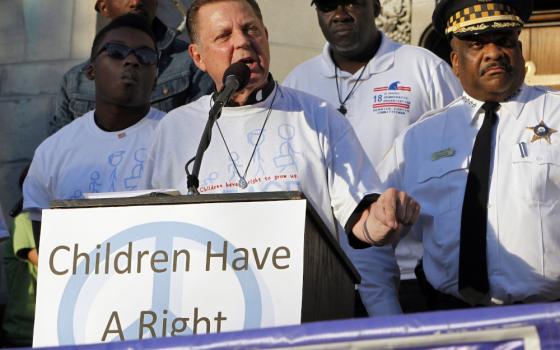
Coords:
pixel 287 153
pixel 234 163
pixel 394 86
pixel 213 176
pixel 114 160
pixel 77 195
pixel 258 160
pixel 94 184
pixel 131 182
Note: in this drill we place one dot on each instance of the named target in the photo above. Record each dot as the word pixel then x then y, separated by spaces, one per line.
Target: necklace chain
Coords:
pixel 242 179
pixel 342 109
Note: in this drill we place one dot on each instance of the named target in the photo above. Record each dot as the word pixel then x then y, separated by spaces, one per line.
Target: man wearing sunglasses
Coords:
pixel 178 82
pixel 105 149
pixel 381 87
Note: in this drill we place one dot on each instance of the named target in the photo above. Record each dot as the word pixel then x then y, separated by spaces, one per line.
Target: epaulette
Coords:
pixel 439 110
pixel 547 89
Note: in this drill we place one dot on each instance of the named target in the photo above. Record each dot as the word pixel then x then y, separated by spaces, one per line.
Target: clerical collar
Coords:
pixel 256 96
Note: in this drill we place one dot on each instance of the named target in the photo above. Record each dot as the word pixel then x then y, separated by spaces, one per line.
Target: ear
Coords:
pixel 102 7
pixel 376 8
pixel 454 62
pixel 194 51
pixel 90 72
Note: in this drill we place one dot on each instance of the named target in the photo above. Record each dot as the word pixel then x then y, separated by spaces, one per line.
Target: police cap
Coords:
pixel 471 17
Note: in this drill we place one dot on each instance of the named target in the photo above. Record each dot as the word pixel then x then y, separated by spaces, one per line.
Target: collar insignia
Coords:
pixel 541 131
pixel 444 153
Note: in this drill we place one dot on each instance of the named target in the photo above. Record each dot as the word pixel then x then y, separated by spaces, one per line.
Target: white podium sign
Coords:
pixel 121 273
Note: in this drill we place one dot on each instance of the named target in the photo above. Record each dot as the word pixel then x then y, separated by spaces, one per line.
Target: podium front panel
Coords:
pixel 133 272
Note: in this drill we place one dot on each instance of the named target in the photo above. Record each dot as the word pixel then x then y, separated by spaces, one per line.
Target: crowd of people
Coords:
pixel 440 182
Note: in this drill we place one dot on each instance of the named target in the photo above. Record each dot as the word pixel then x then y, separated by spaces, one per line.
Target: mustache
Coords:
pixel 505 65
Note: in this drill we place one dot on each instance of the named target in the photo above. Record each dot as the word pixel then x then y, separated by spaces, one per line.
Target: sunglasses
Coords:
pixel 331 5
pixel 145 55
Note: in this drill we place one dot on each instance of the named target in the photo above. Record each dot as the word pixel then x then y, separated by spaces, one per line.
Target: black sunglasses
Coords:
pixel 331 5
pixel 145 55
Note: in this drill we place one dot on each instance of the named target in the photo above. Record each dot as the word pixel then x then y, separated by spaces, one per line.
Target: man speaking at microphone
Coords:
pixel 271 138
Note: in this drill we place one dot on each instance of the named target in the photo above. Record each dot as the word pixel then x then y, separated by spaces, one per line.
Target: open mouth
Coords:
pixel 247 60
pixel 250 62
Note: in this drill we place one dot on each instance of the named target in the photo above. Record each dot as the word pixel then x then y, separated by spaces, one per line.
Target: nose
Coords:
pixel 131 59
pixel 241 40
pixel 492 51
pixel 341 13
pixel 134 3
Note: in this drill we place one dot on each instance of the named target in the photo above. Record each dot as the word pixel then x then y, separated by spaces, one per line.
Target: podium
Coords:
pixel 315 264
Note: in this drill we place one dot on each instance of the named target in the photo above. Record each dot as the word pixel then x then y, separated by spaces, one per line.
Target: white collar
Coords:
pixel 513 106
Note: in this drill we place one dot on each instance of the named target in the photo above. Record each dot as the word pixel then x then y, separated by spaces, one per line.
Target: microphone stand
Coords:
pixel 192 178
pixel 235 77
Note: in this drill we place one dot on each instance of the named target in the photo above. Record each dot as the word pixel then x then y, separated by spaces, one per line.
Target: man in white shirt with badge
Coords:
pixel 381 87
pixel 486 168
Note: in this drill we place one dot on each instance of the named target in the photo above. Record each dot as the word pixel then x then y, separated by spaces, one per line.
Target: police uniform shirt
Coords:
pixel 430 161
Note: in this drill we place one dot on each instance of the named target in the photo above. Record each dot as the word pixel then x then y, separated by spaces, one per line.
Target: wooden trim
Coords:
pixel 531 78
pixel 549 17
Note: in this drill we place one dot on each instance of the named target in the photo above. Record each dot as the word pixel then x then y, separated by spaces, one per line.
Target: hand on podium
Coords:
pixel 383 221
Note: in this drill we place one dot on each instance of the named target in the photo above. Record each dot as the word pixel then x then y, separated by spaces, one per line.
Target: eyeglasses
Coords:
pixel 145 55
pixel 331 5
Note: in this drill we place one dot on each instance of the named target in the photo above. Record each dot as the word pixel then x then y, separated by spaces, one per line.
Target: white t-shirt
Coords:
pixel 82 158
pixel 398 85
pixel 305 146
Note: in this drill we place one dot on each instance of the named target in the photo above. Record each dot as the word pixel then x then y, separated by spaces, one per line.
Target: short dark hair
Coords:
pixel 129 20
pixel 192 14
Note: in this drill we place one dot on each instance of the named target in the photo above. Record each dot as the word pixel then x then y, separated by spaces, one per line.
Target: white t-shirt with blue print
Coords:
pixel 81 158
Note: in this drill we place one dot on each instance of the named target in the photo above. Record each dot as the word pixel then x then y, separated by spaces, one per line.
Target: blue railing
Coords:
pixel 509 327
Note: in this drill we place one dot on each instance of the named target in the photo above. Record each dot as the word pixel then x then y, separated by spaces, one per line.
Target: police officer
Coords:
pixel 486 168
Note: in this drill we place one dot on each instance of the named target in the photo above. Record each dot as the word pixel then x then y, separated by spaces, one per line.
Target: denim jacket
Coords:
pixel 179 81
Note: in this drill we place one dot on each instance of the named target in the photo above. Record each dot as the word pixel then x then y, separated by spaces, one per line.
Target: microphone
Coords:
pixel 235 78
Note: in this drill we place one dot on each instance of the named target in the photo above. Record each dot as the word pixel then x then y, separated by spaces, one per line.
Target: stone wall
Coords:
pixel 38 43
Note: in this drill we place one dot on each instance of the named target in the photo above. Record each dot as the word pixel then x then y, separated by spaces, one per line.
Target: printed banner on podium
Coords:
pixel 122 273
